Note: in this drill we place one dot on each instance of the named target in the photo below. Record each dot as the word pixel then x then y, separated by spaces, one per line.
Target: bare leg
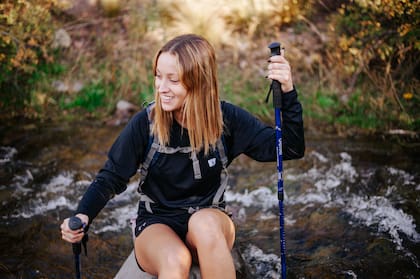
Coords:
pixel 211 234
pixel 162 253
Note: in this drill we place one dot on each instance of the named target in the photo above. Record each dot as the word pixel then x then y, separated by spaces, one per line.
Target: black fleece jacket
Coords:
pixel 170 182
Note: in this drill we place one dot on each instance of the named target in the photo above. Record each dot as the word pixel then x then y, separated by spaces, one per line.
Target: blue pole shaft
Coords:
pixel 277 103
pixel 280 191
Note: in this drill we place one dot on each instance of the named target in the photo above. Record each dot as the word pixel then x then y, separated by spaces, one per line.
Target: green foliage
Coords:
pixel 247 90
pixel 327 107
pixel 44 71
pixel 319 105
pixel 378 41
pixel 357 112
pixel 146 90
pixel 26 32
pixel 89 98
pixel 325 101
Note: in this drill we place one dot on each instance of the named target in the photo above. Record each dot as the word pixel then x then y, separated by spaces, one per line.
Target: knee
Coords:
pixel 178 262
pixel 206 228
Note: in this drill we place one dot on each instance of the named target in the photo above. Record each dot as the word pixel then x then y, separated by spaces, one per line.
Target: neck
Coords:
pixel 179 118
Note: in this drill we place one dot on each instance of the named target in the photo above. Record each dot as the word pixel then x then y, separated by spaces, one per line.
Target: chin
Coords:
pixel 168 108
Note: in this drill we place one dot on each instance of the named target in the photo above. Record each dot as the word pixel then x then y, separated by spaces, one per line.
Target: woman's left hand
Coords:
pixel 279 69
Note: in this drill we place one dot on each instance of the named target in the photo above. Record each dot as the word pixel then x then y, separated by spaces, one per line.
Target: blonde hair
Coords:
pixel 201 112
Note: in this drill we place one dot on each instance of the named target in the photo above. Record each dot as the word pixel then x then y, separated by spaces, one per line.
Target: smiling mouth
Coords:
pixel 166 98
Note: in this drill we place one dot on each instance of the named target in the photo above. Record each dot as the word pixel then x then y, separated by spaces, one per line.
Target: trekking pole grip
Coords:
pixel 75 223
pixel 275 85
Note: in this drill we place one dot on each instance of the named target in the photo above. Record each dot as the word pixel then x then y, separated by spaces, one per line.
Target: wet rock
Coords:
pixel 265 266
pixel 7 168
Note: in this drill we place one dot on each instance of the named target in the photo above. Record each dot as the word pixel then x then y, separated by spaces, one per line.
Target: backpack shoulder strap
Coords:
pixel 221 149
pixel 152 148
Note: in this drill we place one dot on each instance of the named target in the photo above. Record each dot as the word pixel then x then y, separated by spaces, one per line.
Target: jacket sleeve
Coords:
pixel 248 135
pixel 124 158
pixel 292 127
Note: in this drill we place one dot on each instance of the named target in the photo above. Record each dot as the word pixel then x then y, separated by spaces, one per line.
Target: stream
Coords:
pixel 352 206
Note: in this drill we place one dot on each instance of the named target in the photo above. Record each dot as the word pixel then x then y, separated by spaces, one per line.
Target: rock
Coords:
pixel 61 39
pixel 124 111
pixel 130 269
pixel 60 86
pixel 68 86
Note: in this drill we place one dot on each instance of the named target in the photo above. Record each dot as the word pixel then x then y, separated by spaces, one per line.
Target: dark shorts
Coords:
pixel 176 219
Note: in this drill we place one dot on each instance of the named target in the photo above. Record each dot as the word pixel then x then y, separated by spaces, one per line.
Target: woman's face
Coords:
pixel 168 84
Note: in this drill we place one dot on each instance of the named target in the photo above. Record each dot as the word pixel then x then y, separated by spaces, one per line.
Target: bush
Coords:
pixel 26 33
pixel 378 45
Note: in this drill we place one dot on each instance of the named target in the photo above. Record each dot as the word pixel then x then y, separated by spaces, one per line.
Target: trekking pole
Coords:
pixel 275 87
pixel 75 224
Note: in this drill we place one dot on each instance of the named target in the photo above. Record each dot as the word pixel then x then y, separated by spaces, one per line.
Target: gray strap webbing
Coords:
pixel 196 165
pixel 225 175
pixel 221 149
pixel 155 144
pixel 172 150
pixel 146 164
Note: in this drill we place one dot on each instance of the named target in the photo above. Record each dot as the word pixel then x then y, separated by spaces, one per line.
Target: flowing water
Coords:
pixel 352 207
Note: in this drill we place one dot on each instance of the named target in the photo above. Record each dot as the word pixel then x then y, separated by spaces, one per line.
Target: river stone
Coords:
pixel 130 269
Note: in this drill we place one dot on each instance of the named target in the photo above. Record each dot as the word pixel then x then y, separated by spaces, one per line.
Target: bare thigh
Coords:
pixel 158 248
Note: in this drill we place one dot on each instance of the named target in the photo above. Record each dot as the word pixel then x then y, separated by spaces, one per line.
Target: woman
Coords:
pixel 181 215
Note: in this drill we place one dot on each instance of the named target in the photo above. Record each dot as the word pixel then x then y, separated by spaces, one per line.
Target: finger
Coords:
pixel 279 66
pixel 276 59
pixel 71 239
pixel 65 224
pixel 282 51
pixel 71 236
pixel 279 63
pixel 282 78
pixel 279 72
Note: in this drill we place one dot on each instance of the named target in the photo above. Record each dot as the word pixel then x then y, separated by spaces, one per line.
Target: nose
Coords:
pixel 162 85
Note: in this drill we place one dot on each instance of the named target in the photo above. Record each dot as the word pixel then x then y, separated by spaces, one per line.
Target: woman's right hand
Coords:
pixel 279 69
pixel 73 236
